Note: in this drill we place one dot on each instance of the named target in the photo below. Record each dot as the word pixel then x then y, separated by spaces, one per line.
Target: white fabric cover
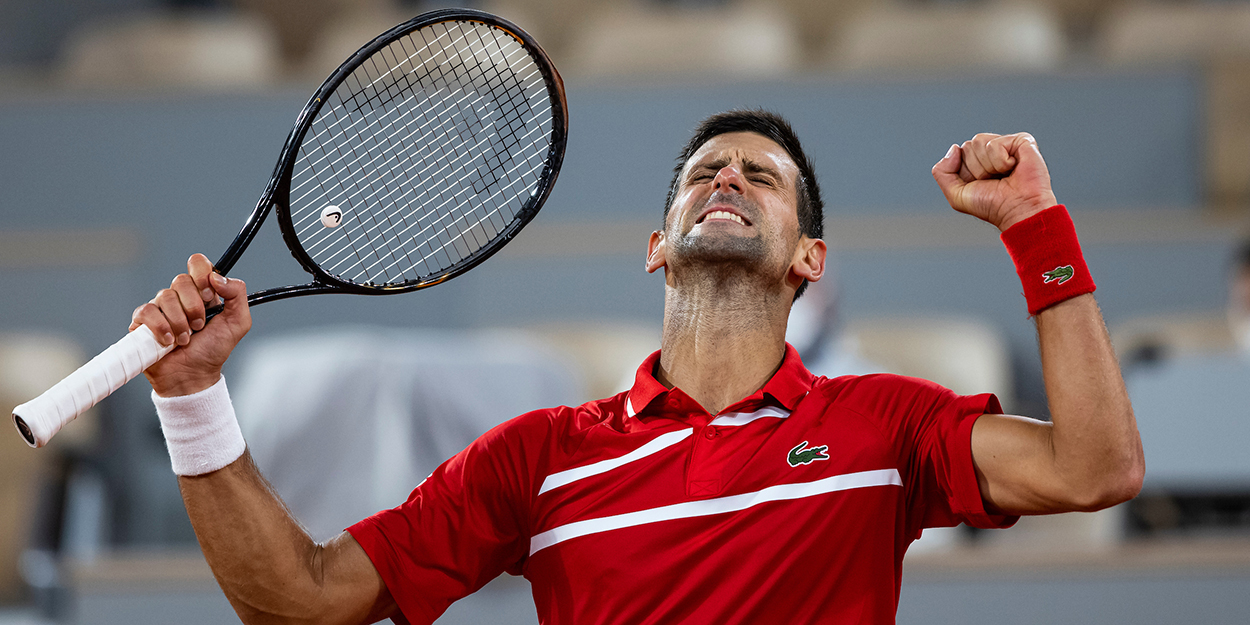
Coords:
pixel 346 422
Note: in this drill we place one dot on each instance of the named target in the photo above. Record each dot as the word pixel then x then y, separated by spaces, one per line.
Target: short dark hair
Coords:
pixel 810 206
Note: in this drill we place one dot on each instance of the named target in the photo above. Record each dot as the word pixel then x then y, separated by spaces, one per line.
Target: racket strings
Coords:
pixel 358 108
pixel 355 121
pixel 430 148
pixel 438 228
pixel 359 87
pixel 445 242
pixel 406 173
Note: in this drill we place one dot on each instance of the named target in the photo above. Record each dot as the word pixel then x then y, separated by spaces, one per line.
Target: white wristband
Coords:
pixel 200 430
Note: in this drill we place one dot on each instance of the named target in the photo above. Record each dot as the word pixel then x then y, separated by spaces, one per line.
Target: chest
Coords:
pixel 722 465
pixel 743 521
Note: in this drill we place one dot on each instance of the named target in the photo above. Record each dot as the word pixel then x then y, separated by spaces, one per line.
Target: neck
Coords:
pixel 722 342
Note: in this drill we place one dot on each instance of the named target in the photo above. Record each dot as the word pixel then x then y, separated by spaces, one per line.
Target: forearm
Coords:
pixel 268 567
pixel 263 560
pixel 1095 448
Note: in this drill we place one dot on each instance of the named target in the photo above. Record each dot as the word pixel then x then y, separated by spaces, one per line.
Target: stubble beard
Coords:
pixel 720 259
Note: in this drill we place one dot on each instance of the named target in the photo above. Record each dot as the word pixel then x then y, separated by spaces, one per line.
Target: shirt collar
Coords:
pixel 788 385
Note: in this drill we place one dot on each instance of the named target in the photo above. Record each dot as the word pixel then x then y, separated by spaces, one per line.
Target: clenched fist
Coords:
pixel 1001 179
pixel 178 312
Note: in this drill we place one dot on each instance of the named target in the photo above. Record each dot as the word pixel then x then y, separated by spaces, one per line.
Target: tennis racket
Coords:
pixel 423 154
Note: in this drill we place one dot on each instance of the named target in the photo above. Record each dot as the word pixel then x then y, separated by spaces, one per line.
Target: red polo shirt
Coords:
pixel 794 505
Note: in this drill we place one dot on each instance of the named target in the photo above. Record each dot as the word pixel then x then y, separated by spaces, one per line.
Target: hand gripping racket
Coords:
pixel 422 155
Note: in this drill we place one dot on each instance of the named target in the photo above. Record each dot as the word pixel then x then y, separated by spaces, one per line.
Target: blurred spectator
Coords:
pixel 1239 298
pixel 34 493
pixel 816 330
pixel 33 31
pixel 1153 339
pixel 302 24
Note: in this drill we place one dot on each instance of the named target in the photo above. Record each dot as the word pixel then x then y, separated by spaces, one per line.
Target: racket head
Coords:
pixel 439 141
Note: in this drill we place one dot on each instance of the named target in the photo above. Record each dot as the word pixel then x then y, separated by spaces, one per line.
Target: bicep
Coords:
pixel 1015 465
pixel 352 589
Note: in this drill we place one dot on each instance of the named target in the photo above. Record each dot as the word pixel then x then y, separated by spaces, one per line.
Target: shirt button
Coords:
pixel 710 432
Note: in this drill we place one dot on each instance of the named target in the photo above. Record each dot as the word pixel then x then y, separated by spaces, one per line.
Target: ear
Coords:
pixel 809 259
pixel 655 252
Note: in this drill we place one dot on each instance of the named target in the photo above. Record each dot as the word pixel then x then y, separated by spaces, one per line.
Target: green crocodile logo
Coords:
pixel 1062 274
pixel 798 455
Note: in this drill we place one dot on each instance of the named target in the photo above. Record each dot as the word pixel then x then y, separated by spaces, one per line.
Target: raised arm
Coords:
pixel 1090 455
pixel 267 565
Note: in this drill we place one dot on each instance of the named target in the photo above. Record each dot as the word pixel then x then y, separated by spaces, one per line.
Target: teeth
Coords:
pixel 724 215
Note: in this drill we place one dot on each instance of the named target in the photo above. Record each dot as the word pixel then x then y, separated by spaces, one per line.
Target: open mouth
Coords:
pixel 724 215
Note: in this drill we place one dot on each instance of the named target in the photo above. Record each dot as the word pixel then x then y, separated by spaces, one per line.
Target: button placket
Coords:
pixel 703 478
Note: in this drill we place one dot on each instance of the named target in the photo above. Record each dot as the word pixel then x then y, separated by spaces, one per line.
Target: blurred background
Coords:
pixel 135 132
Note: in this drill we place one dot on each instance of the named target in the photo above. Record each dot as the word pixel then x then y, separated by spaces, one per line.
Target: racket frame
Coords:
pixel 277 192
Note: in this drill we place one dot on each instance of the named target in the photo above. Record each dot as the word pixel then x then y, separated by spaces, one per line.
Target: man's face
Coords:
pixel 1239 307
pixel 736 201
pixel 1239 294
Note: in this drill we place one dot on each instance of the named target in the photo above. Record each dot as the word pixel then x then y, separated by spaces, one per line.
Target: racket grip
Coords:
pixel 39 419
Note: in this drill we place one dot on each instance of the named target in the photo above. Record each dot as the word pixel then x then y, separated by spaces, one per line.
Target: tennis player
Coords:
pixel 728 485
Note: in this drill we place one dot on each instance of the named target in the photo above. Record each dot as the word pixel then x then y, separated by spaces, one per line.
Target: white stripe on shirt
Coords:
pixel 720 505
pixel 742 418
pixel 659 443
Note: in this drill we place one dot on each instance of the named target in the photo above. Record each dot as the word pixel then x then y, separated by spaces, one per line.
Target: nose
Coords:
pixel 728 179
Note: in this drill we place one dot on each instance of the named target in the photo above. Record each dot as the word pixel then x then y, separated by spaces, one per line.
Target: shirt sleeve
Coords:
pixel 931 429
pixel 459 529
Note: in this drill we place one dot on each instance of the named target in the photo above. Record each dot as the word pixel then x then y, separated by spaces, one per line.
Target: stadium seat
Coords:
pixel 965 356
pixel 1158 337
pixel 735 41
pixel 30 363
pixel 816 22
pixel 1228 134
pixel 1062 533
pixel 1171 32
pixel 299 24
pixel 193 50
pixel 955 36
pixel 1217 36
pixel 340 37
pixel 551 22
pixel 1081 19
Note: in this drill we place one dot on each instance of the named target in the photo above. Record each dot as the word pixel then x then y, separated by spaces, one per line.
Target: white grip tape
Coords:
pixel 79 391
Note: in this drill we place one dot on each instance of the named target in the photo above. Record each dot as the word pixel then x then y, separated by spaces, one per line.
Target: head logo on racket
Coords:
pixel 331 216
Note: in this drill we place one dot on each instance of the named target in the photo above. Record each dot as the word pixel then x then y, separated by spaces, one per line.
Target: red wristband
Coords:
pixel 1048 258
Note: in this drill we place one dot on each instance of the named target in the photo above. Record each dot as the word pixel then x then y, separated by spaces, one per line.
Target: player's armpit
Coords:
pixel 342 587
pixel 1019 473
pixel 1012 462
pixel 266 564
pixel 349 579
